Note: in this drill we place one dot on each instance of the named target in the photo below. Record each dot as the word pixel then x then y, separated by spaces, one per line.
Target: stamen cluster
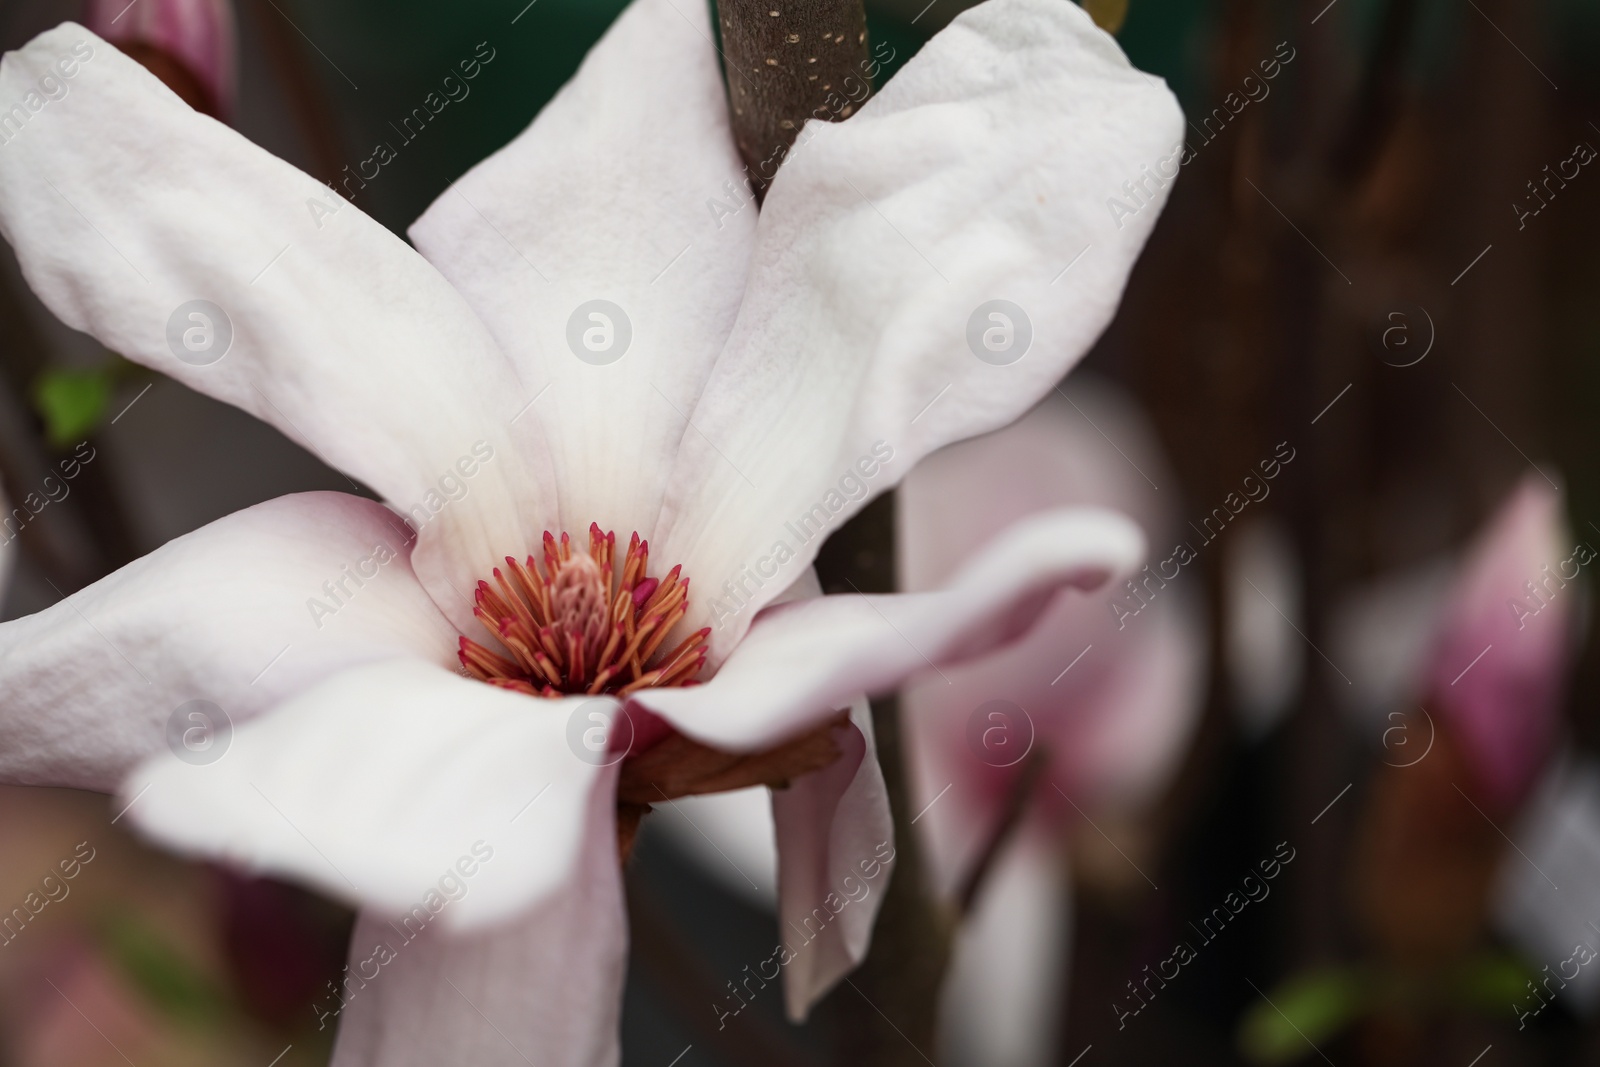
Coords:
pixel 576 626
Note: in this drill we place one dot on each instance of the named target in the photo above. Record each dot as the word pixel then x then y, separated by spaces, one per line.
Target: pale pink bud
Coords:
pixel 1497 671
pixel 198 35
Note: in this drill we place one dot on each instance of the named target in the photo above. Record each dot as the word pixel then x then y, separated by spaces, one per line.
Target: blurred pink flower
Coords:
pixel 1496 674
pixel 1114 702
pixel 199 34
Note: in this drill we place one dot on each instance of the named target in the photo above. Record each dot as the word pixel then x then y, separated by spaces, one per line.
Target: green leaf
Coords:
pixel 72 402
pixel 157 969
pixel 1490 982
pixel 1306 1010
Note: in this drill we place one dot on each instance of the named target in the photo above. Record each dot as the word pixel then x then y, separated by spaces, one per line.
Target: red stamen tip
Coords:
pixel 642 591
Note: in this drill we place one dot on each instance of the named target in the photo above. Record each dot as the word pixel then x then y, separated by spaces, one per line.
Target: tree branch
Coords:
pixel 788 61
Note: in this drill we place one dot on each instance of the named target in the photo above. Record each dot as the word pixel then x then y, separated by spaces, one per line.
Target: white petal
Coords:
pixel 835 859
pixel 124 206
pixel 612 194
pixel 1001 1005
pixel 374 785
pixel 980 173
pixel 546 989
pixel 802 659
pixel 733 835
pixel 226 614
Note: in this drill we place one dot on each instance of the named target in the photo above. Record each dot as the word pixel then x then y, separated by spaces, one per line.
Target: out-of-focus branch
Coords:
pixel 885 1014
pixel 306 98
pixel 788 61
pixel 1377 107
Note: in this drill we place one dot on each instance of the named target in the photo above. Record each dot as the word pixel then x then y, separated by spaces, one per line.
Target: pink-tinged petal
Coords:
pixel 981 172
pixel 380 782
pixel 1112 697
pixel 835 858
pixel 544 989
pixel 829 832
pixel 1498 670
pixel 125 206
pixel 1001 1002
pixel 612 194
pixel 803 659
pixel 238 613
pixel 198 33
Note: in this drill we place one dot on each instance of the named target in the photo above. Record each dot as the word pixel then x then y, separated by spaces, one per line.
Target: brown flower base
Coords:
pixel 679 767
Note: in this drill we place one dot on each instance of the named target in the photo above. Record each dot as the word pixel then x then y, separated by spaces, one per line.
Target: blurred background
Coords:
pixel 1340 747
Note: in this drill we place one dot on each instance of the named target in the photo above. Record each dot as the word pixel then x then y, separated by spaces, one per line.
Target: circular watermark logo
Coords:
pixel 1403 746
pixel 599 732
pixel 199 732
pixel 199 333
pixel 1403 338
pixel 599 332
pixel 999 332
pixel 999 733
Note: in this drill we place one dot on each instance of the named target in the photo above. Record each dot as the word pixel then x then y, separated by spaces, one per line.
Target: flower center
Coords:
pixel 576 626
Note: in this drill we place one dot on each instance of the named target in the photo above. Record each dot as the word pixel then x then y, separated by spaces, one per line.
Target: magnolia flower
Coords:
pixel 1111 700
pixel 586 347
pixel 189 44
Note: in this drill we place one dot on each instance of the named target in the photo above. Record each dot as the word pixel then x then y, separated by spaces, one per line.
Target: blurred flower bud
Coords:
pixel 188 44
pixel 1496 673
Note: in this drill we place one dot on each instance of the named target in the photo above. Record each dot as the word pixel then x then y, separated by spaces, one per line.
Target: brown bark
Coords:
pixel 788 61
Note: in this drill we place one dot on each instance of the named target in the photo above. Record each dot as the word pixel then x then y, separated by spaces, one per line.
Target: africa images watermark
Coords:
pixel 1252 889
pixel 453 885
pixel 835 106
pixel 364 570
pixel 452 486
pixel 1139 193
pixel 54 890
pixel 453 88
pixel 55 491
pixel 1552 183
pixel 53 85
pixel 811 525
pixel 1549 584
pixel 811 927
pixel 1140 591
